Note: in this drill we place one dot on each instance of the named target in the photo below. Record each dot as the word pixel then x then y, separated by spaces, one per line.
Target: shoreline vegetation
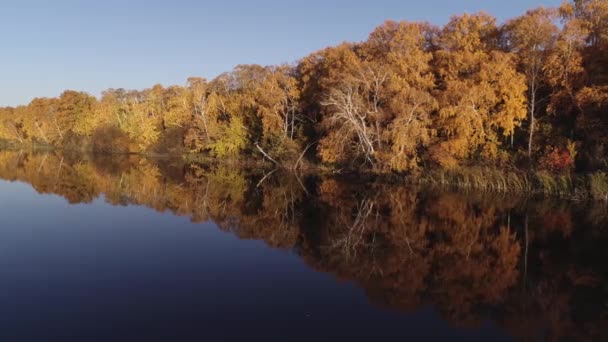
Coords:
pixel 513 107
pixel 489 180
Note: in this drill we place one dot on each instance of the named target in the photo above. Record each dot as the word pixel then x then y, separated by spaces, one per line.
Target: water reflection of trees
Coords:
pixel 535 267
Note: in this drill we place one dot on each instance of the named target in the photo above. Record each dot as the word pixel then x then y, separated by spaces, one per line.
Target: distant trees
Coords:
pixel 411 95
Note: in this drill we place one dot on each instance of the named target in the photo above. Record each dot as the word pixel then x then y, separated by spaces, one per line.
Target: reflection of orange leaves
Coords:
pixel 507 255
pixel 454 250
pixel 405 248
pixel 330 191
pixel 401 283
pixel 450 207
pixel 583 278
pixel 558 221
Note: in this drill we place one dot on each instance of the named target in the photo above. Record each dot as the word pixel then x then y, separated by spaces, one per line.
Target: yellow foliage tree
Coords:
pixel 482 96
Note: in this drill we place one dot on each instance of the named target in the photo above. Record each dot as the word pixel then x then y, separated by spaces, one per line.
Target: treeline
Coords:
pixel 474 257
pixel 532 92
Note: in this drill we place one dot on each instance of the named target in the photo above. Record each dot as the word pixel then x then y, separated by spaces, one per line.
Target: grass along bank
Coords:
pixel 486 179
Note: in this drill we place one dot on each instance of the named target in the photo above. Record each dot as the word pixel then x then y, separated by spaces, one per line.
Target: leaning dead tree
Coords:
pixel 348 110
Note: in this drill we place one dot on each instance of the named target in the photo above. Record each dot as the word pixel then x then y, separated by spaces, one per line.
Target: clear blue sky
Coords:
pixel 49 46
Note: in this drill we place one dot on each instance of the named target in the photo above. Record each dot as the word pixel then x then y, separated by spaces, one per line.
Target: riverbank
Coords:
pixel 590 186
pixel 578 187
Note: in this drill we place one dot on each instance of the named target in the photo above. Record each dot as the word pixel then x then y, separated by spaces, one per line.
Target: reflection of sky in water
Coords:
pixel 96 271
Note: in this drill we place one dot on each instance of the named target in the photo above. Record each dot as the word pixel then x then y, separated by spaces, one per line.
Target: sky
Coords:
pixel 51 46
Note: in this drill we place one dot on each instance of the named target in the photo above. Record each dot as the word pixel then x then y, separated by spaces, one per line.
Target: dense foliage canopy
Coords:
pixel 532 91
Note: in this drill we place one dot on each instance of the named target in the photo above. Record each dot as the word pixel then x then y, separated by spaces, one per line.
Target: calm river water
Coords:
pixel 104 248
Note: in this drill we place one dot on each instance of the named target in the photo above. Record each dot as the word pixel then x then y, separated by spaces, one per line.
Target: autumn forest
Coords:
pixel 527 94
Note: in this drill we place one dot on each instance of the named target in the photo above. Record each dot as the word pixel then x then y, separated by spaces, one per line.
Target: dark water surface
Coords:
pixel 122 248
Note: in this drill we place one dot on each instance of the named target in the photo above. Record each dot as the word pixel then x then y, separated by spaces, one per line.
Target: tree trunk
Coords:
pixel 527 242
pixel 266 155
pixel 532 109
pixel 531 137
